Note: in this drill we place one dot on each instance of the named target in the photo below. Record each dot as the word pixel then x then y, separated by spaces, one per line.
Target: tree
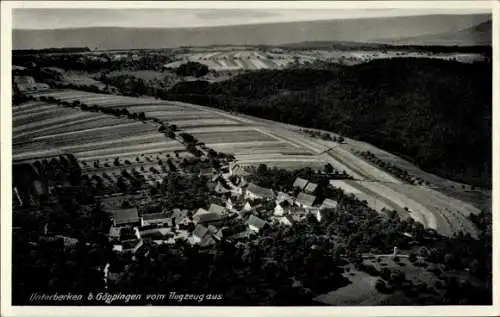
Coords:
pixel 328 169
pixel 192 69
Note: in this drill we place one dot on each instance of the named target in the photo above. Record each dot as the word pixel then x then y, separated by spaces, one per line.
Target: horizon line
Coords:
pixel 255 23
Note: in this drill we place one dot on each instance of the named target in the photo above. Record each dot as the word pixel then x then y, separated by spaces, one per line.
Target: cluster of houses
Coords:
pixel 237 219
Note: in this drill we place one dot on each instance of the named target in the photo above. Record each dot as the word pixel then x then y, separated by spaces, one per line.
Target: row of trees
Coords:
pixel 393 169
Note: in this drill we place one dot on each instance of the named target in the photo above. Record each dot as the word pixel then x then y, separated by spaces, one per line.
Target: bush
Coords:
pixel 192 69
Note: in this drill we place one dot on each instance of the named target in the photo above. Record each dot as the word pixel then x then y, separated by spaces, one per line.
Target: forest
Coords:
pixel 434 113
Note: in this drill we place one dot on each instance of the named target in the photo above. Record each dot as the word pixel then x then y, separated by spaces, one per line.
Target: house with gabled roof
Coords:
pixel 305 200
pixel 247 207
pixel 329 204
pixel 214 208
pixel 310 188
pixel 255 223
pixel 156 218
pixel 283 196
pixel 282 208
pixel 199 232
pixel 206 217
pixel 253 192
pixel 300 183
pixel 126 217
pixel 287 220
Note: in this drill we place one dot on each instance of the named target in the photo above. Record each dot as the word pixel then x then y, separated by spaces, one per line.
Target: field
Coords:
pixel 240 58
pixel 44 130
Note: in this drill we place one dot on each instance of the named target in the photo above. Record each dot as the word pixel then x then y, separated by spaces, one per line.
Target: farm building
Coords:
pixel 154 218
pixel 300 183
pixel 310 188
pixel 126 217
pixel 28 83
pixel 329 203
pixel 217 209
pixel 255 223
pixel 305 200
pixel 206 217
pixel 253 192
pixel 282 208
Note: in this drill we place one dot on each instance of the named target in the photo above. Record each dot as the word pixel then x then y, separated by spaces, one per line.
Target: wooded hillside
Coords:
pixel 435 113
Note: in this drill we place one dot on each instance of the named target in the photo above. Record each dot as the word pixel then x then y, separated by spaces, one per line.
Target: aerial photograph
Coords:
pixel 251 157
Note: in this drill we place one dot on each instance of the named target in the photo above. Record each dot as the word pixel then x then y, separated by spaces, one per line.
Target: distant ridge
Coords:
pixel 351 30
pixel 480 34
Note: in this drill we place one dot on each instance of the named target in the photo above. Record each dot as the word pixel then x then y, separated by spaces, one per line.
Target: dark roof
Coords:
pixel 260 191
pixel 214 208
pixel 124 216
pixel 154 216
pixel 207 217
pixel 289 218
pixel 310 188
pixel 256 222
pixel 306 199
pixel 300 183
pixel 130 244
pixel 200 231
pixel 207 240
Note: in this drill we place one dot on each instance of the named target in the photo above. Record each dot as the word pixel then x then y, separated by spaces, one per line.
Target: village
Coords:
pixel 247 211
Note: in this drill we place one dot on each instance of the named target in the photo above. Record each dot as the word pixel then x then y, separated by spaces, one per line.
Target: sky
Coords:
pixel 185 18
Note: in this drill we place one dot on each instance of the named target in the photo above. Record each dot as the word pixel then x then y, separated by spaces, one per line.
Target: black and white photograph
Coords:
pixel 235 156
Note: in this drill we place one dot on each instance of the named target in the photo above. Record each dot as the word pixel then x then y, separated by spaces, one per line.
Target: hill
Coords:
pixel 435 113
pixel 478 35
pixel 353 30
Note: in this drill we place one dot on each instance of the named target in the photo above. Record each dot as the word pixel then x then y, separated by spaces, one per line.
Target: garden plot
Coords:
pixel 84 124
pixel 30 125
pixel 39 117
pixel 233 137
pixel 33 107
pixel 205 122
pixel 77 124
pixel 152 110
pixel 236 126
pixel 126 148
